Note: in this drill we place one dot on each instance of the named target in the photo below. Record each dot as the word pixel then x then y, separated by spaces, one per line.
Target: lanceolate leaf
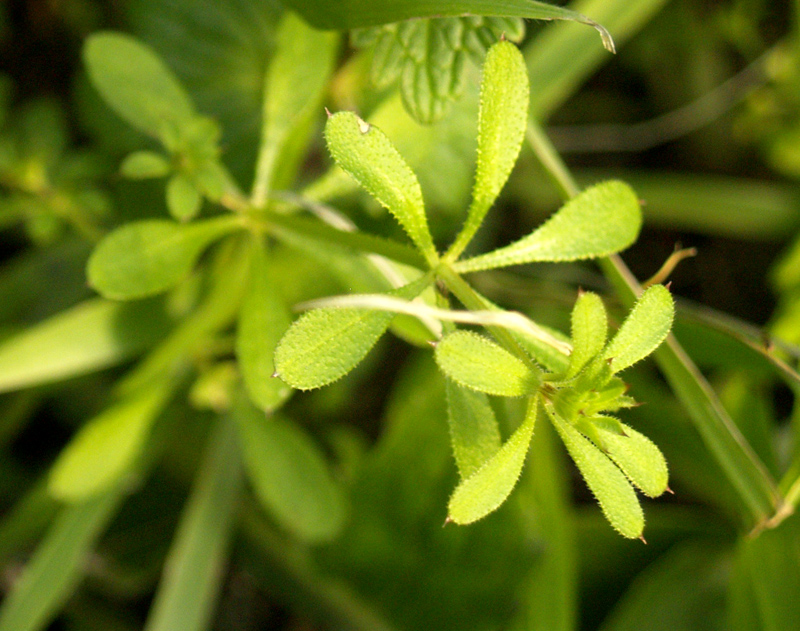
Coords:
pixel 476 362
pixel 473 428
pixel 502 120
pixel 135 82
pixel 609 485
pixel 589 330
pixel 106 447
pixel 348 14
pixel 370 158
pixel 643 330
pixel 640 460
pixel 600 221
pixel 148 257
pixel 487 488
pixel 324 345
pixel 263 319
pixel 290 475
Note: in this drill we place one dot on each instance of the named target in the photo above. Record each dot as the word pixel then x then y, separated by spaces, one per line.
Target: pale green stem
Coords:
pixel 722 437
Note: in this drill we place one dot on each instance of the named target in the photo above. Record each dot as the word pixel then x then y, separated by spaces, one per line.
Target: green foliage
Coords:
pixel 153 451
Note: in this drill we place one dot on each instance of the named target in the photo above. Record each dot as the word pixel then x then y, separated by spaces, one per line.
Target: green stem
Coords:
pixel 756 488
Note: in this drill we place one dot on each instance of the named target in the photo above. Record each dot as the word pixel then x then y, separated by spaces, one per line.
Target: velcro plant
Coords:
pixel 575 385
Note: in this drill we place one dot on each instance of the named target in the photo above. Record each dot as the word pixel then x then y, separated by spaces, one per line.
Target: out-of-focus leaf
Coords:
pixel 290 475
pixel 147 257
pixel 646 326
pixel 183 198
pixel 488 487
pixel 191 583
pixel 91 336
pixel 476 362
pixel 57 565
pixel 369 156
pixel 608 484
pixel 429 57
pixel 106 447
pixel 473 428
pixel 135 82
pixel 348 14
pixel 263 319
pixel 145 164
pixel 599 221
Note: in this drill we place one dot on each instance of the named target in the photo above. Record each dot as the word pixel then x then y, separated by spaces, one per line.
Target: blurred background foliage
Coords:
pixel 699 111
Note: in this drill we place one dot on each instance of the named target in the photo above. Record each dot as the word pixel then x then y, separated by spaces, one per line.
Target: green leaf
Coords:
pixel 296 78
pixel 473 428
pixel 476 362
pixel 608 484
pixel 106 447
pixel 599 221
pixel 289 475
pixel 589 330
pixel 486 489
pixel 183 198
pixel 147 257
pixel 57 565
pixel 324 345
pixel 348 14
pixel 142 165
pixel 370 158
pixel 91 336
pixel 429 56
pixel 135 82
pixel 198 553
pixel 646 326
pixel 502 120
pixel 263 319
pixel 638 458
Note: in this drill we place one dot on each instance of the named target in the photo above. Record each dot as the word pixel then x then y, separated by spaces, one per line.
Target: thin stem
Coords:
pixel 756 488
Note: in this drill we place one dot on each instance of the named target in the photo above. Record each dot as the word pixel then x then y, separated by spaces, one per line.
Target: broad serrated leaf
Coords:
pixel 428 56
pixel 304 57
pixel 106 447
pixel 486 489
pixel 183 198
pixel 600 221
pixel 348 14
pixel 263 319
pixel 147 257
pixel 474 433
pixel 91 336
pixel 608 484
pixel 638 458
pixel 365 152
pixel 646 326
pixel 502 119
pixel 198 554
pixel 477 363
pixel 145 164
pixel 135 82
pixel 289 475
pixel 324 345
pixel 589 330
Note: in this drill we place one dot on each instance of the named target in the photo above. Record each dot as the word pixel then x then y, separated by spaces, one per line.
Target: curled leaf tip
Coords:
pixel 642 539
pixel 670 491
pixel 275 375
pixel 447 521
pixel 328 112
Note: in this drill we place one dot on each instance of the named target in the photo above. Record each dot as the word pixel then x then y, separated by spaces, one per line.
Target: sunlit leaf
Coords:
pixel 646 326
pixel 289 475
pixel 502 120
pixel 106 447
pixel 599 221
pixel 473 428
pixel 589 330
pixel 486 489
pixel 369 156
pixel 476 362
pixel 147 257
pixel 135 82
pixel 608 484
pixel 640 460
